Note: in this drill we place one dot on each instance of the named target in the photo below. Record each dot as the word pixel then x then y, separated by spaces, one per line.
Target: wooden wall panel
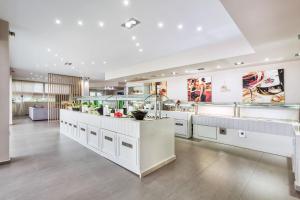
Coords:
pixel 57 87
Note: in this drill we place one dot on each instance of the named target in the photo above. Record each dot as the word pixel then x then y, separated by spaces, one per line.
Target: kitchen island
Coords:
pixel 139 146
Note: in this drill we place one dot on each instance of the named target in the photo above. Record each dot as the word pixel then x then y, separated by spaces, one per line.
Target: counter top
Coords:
pixel 117 118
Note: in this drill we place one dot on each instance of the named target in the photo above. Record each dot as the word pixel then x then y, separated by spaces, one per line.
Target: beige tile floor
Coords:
pixel 46 165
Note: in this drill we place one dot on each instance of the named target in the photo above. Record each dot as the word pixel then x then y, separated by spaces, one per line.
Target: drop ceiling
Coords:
pixel 173 35
pixel 43 45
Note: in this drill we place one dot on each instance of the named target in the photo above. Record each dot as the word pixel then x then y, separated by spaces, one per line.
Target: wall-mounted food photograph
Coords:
pixel 199 89
pixel 264 86
pixel 159 88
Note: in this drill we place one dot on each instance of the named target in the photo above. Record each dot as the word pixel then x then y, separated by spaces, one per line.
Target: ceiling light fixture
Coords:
pixel 173 73
pixel 130 23
pixel 162 74
pixel 126 3
pixel 141 50
pixel 218 67
pixel 267 59
pixel 101 24
pixel 133 37
pixel 49 50
pixel 54 65
pixel 104 62
pixel 160 25
pixel 82 63
pixel 56 55
pixel 80 23
pixel 93 62
pixel 239 63
pixel 180 26
pixel 57 21
pixel 199 28
pixel 137 44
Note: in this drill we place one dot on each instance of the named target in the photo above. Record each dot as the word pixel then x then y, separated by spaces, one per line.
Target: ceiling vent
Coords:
pixel 68 63
pixel 130 23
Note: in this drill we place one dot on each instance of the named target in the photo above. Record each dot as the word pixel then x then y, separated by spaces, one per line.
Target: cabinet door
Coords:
pixel 75 131
pixel 127 151
pixel 70 129
pixel 93 136
pixel 82 133
pixel 203 132
pixel 62 127
pixel 181 127
pixel 108 146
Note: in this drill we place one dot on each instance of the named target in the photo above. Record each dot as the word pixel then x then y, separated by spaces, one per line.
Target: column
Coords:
pixel 4 92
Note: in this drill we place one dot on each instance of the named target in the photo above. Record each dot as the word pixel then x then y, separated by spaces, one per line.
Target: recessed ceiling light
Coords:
pixel 101 24
pixel 239 63
pixel 80 23
pixel 160 25
pixel 82 63
pixel 137 44
pixel 267 59
pixel 180 26
pixel 218 67
pixel 104 62
pixel 125 81
pixel 162 74
pixel 174 73
pixel 93 62
pixel 56 55
pixel 133 37
pixel 57 21
pixel 126 2
pixel 199 28
pixel 130 23
pixel 141 50
pixel 54 65
pixel 30 73
pixel 48 49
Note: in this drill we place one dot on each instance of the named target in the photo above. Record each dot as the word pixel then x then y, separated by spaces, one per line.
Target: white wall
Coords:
pixel 177 86
pixel 4 92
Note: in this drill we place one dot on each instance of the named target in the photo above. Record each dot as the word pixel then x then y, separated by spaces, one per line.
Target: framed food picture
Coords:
pixel 159 88
pixel 199 89
pixel 264 87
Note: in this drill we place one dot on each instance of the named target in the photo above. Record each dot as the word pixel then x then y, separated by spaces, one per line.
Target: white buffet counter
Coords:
pixel 182 121
pixel 279 137
pixel 139 146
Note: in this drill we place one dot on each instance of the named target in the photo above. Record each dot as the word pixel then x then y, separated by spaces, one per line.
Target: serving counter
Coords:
pixel 139 146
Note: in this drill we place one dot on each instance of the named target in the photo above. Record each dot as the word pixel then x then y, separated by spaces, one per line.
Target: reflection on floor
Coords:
pixel 49 166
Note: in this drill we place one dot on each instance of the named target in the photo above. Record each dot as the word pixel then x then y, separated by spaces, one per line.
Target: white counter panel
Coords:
pixel 139 146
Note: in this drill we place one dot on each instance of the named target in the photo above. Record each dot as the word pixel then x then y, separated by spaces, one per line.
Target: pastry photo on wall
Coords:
pixel 199 89
pixel 158 88
pixel 264 87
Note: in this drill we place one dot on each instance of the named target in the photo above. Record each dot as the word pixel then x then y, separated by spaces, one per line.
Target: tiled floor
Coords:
pixel 49 166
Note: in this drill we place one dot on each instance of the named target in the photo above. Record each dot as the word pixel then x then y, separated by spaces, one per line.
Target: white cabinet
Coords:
pixel 181 127
pixel 82 133
pixel 108 143
pixel 200 132
pixel 127 151
pixel 93 136
pixel 139 146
